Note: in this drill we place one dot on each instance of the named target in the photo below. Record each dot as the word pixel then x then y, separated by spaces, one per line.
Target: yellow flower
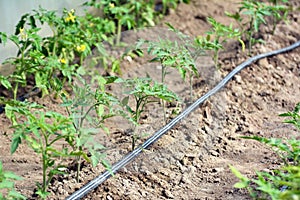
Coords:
pixel 23 34
pixel 71 17
pixel 111 5
pixel 81 48
pixel 63 61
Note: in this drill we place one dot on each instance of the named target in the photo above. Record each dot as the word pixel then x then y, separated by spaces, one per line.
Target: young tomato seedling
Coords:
pixel 180 55
pixel 41 131
pixel 219 34
pixel 144 91
pixel 7 183
pixel 252 14
pixel 85 102
pixel 282 183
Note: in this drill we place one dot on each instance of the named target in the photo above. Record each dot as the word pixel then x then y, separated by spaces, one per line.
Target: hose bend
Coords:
pixel 130 156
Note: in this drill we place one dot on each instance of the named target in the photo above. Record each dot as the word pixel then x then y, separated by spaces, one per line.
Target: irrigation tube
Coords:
pixel 129 157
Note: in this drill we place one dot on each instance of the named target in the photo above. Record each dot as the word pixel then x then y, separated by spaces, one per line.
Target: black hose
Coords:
pixel 129 157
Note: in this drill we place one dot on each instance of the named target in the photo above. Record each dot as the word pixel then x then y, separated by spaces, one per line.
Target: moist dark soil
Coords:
pixel 192 160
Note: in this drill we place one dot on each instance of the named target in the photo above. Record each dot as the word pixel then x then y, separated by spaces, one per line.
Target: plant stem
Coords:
pixel 191 88
pixel 119 28
pixel 216 57
pixel 78 165
pixel 44 157
pixel 250 35
pixel 15 91
pixel 55 43
pixel 163 75
pixel 80 124
pixel 134 138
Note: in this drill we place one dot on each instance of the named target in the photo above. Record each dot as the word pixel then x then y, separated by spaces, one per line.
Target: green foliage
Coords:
pixel 51 60
pixel 7 180
pixel 180 55
pixel 41 130
pixel 252 14
pixel 278 184
pixel 287 150
pixel 131 14
pixel 216 37
pixel 80 108
pixel 282 183
pixel 294 116
pixel 144 91
pixel 54 57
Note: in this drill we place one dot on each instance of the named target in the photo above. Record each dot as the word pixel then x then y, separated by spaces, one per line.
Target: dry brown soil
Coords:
pixel 192 160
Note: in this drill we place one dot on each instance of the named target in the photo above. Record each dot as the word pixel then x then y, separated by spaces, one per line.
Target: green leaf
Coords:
pixel 3 37
pixel 11 175
pixel 5 82
pixel 21 23
pixel 238 174
pixel 170 26
pixel 6 184
pixel 125 101
pixel 15 143
pixel 100 110
pixel 16 195
pixel 14 39
pixel 42 194
pixel 113 79
pixel 241 185
pixel 106 164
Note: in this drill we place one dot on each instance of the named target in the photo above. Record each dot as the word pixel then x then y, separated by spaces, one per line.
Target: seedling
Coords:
pixel 41 131
pixel 279 12
pixel 52 61
pixel 24 65
pixel 283 183
pixel 216 37
pixel 279 184
pixel 294 116
pixel 144 91
pixel 86 101
pixel 172 54
pixel 256 12
pixel 7 182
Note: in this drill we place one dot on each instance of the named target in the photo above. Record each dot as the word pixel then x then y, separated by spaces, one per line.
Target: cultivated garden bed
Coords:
pixel 70 75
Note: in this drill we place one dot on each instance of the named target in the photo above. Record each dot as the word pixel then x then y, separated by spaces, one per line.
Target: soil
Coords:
pixel 192 160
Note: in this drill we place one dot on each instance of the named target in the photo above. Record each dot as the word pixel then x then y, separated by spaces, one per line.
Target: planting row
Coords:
pixel 53 64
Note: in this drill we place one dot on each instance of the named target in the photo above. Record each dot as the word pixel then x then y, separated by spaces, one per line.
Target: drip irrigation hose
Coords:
pixel 129 157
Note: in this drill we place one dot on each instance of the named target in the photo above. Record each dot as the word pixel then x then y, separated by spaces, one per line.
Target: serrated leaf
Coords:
pixel 238 174
pixel 6 184
pixel 16 195
pixel 240 185
pixel 14 144
pixel 100 110
pixel 125 101
pixel 5 82
pixel 3 38
pixel 11 175
pixel 113 79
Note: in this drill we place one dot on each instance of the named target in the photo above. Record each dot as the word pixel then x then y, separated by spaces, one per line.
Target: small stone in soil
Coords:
pixel 238 78
pixel 217 169
pixel 185 179
pixel 214 153
pixel 217 180
pixel 168 194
